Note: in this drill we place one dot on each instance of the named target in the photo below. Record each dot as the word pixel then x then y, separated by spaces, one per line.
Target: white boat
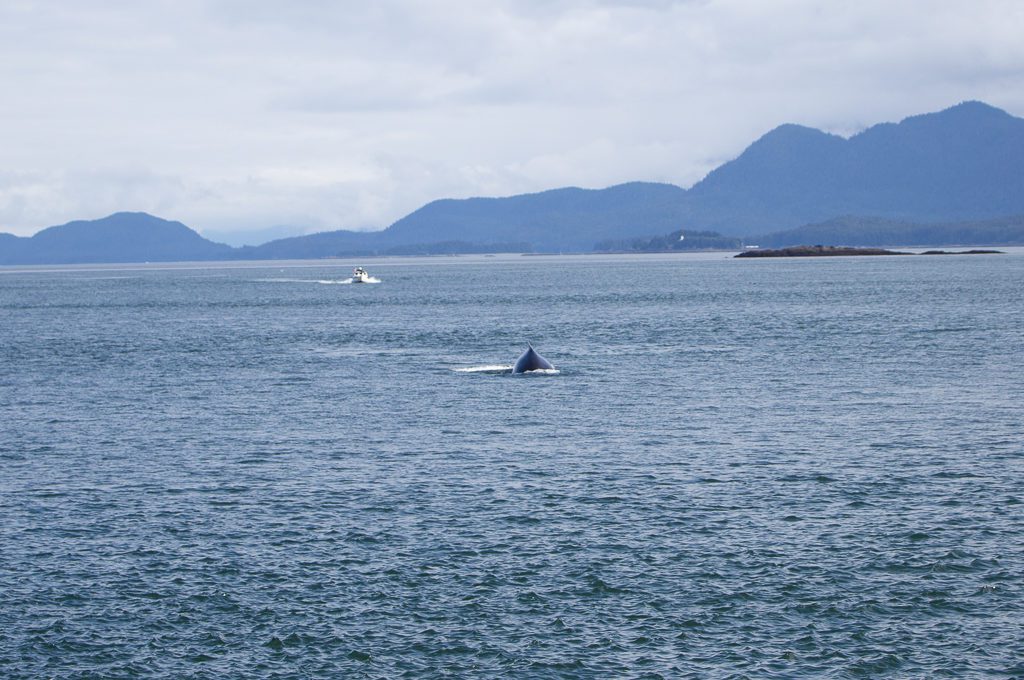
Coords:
pixel 359 275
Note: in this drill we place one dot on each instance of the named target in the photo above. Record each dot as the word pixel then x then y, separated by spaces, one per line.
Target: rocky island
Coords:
pixel 963 252
pixel 818 251
pixel 827 251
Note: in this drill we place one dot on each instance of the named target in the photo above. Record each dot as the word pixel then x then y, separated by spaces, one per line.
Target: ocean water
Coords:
pixel 741 469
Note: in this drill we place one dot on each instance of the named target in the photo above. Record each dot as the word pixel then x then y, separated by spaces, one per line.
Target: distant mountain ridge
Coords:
pixel 846 231
pixel 879 231
pixel 676 241
pixel 569 220
pixel 121 237
pixel 963 163
pixel 966 162
pixel 961 166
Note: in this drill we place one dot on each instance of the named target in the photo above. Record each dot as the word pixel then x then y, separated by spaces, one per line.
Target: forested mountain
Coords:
pixel 121 237
pixel 952 177
pixel 964 163
pixel 877 231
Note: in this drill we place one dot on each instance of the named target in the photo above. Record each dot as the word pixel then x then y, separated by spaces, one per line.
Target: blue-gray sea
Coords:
pixel 742 469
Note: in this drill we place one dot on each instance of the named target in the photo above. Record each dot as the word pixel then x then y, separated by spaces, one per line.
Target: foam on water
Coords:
pixel 327 282
pixel 489 368
pixel 504 369
pixel 330 282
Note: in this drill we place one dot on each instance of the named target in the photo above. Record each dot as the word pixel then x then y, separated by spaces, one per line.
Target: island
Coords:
pixel 964 252
pixel 828 251
pixel 817 251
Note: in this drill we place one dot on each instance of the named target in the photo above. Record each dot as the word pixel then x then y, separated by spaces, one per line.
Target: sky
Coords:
pixel 251 119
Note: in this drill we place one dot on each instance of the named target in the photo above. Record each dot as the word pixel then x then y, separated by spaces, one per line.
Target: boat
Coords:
pixel 359 275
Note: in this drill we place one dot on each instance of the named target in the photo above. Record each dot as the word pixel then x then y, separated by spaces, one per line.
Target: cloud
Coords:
pixel 246 115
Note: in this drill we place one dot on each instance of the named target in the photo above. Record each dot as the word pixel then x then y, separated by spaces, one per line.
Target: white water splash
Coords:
pixel 503 369
pixel 322 282
pixel 495 368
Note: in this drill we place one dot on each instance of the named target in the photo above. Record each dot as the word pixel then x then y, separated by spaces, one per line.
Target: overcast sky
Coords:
pixel 241 115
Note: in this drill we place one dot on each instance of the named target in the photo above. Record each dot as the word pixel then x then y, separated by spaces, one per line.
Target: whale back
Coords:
pixel 531 361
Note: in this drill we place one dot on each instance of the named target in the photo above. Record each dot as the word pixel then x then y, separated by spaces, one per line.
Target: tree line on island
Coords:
pixel 677 240
pixel 948 178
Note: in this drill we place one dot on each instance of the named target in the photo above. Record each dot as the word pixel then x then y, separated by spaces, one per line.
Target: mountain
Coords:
pixel 848 230
pixel 311 246
pixel 121 237
pixel 938 178
pixel 962 164
pixel 966 162
pixel 568 219
pixel 879 231
pixel 11 247
pixel 678 240
pixel 560 220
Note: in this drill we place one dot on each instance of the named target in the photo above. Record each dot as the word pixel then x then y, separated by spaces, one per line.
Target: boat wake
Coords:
pixel 368 279
pixel 322 282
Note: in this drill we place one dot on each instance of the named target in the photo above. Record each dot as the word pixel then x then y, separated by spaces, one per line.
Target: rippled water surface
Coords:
pixel 765 469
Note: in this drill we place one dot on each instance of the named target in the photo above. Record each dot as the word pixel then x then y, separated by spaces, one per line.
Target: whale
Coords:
pixel 531 361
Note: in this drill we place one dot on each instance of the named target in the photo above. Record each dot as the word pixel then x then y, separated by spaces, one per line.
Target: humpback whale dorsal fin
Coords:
pixel 531 361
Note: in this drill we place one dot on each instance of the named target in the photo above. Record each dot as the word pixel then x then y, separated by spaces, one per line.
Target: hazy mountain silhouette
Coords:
pixel 880 231
pixel 959 166
pixel 966 162
pixel 568 219
pixel 678 240
pixel 963 163
pixel 558 220
pixel 322 244
pixel 121 237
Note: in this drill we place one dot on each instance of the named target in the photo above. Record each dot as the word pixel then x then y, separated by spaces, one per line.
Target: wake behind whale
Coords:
pixel 529 362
